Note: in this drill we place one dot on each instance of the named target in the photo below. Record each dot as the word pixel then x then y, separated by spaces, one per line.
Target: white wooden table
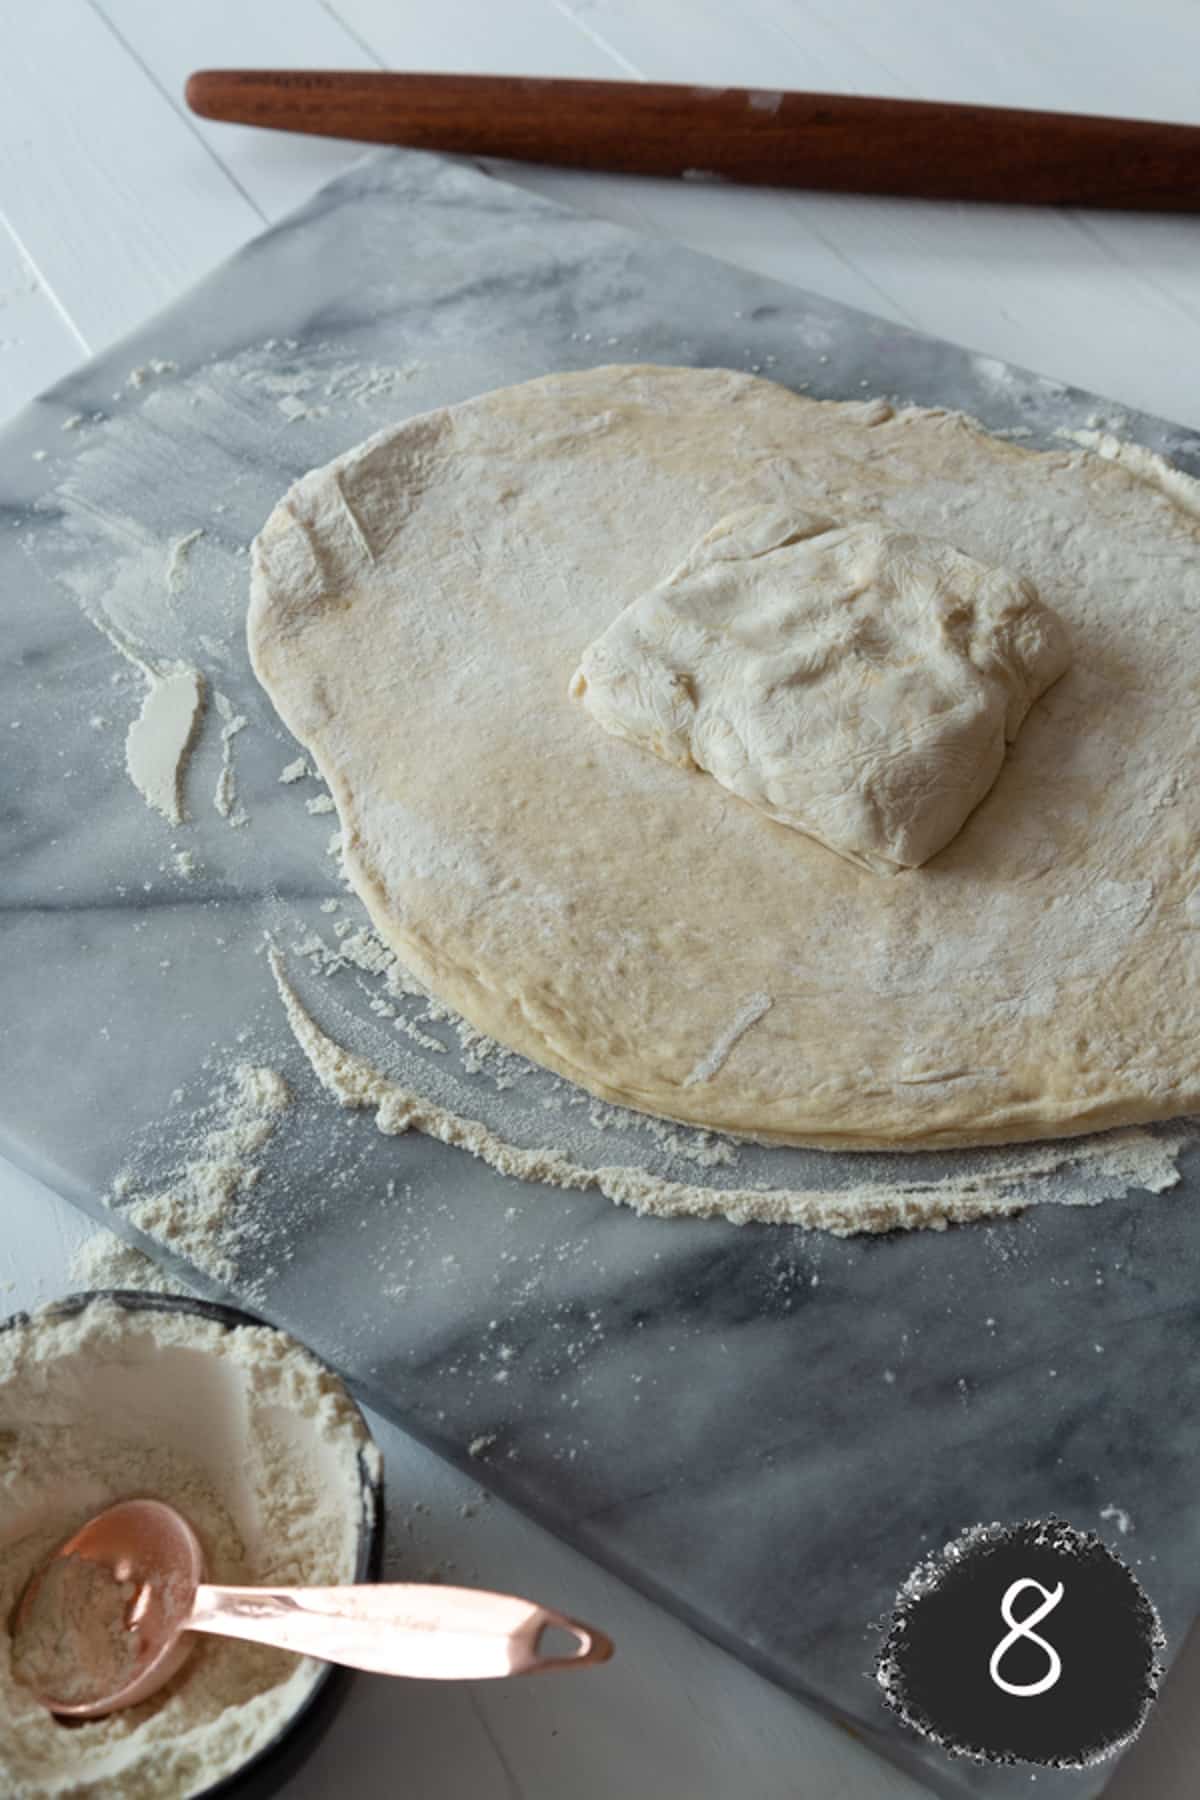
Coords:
pixel 113 198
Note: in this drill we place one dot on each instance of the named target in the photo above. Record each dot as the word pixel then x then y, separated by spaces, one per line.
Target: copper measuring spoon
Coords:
pixel 398 1628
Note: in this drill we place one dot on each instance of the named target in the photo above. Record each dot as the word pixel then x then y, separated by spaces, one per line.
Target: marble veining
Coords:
pixel 763 1428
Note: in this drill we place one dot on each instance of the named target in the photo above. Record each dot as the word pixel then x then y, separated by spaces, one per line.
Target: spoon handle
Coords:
pixel 400 1628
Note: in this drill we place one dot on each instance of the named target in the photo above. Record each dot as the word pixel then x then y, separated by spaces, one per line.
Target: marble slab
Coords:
pixel 761 1427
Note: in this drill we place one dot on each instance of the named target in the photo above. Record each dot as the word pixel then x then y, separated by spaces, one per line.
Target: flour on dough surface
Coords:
pixel 606 913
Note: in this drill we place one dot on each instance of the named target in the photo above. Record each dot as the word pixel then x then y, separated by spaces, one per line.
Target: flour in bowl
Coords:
pixel 259 1447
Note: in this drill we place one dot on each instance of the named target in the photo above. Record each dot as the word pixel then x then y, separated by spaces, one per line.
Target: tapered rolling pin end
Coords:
pixel 202 92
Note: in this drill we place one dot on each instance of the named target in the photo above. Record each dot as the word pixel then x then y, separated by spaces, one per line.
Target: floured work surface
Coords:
pixel 817 1411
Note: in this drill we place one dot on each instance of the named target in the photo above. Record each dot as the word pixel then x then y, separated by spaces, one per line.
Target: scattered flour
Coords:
pixel 157 365
pixel 294 408
pixel 309 393
pixel 106 1261
pixel 177 559
pixel 320 803
pixel 196 1209
pixel 158 741
pixel 295 771
pixel 225 794
pixel 1005 1183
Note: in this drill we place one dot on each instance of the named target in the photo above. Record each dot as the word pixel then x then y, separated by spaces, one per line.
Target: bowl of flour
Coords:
pixel 115 1395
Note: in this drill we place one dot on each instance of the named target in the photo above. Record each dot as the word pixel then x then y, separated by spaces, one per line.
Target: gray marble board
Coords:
pixel 761 1427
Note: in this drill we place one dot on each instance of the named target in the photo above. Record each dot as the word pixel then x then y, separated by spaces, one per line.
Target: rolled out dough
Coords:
pixel 420 605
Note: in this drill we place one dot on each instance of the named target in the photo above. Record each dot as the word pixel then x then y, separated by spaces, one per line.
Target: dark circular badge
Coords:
pixel 1024 1643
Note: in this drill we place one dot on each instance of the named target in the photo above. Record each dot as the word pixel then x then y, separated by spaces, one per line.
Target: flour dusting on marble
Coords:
pixel 999 1183
pixel 197 1208
pixel 302 394
pixel 158 741
pixel 519 1095
pixel 225 798
pixel 157 365
pixel 177 559
pixel 127 577
pixel 112 563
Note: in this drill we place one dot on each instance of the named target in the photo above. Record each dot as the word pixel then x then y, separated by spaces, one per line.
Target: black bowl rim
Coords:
pixel 327 1685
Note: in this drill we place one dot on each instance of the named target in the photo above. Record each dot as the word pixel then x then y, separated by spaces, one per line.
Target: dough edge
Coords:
pixel 1034 1119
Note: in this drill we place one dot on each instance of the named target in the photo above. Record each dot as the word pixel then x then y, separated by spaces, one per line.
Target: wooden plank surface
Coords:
pixel 1108 302
pixel 38 343
pixel 275 172
pixel 495 37
pixel 114 197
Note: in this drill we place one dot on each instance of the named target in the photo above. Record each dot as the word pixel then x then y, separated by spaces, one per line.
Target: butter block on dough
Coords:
pixel 855 682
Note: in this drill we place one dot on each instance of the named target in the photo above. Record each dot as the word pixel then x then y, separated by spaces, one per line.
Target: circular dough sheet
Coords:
pixel 420 605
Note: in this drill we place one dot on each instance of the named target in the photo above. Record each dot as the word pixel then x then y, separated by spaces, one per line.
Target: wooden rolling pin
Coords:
pixel 839 143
